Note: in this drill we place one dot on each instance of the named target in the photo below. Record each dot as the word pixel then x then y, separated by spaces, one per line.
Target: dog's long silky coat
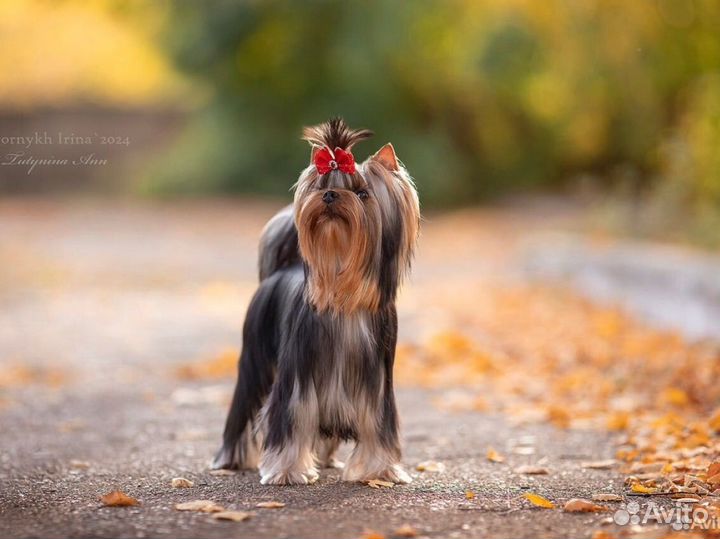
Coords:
pixel 319 338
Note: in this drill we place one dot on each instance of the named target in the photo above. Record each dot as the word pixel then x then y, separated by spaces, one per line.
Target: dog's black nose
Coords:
pixel 329 197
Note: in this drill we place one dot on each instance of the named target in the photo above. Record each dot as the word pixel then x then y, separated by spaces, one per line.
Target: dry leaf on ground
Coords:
pixel 606 497
pixel 222 472
pixel 117 498
pixel 494 456
pixel 372 534
pixel 203 506
pixel 430 466
pixel 578 505
pixel 539 501
pixel 598 367
pixel 181 482
pixel 377 483
pixel 469 495
pixel 531 470
pixel 713 480
pixel 405 531
pixel 235 516
pixel 270 505
pixel 642 489
pixel 599 464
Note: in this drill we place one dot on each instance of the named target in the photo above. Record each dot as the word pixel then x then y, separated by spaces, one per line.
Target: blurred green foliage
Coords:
pixel 478 97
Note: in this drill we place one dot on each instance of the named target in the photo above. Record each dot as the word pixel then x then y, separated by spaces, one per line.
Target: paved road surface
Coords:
pixel 101 303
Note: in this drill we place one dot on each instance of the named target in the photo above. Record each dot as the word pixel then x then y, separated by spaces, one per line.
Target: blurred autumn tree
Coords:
pixel 76 53
pixel 478 97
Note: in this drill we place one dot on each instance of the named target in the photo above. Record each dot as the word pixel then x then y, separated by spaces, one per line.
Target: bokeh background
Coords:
pixel 614 102
pixel 564 300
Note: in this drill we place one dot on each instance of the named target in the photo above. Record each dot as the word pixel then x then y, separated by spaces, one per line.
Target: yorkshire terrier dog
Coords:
pixel 316 366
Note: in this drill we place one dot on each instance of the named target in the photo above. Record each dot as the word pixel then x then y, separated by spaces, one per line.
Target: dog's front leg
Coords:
pixel 291 426
pixel 377 452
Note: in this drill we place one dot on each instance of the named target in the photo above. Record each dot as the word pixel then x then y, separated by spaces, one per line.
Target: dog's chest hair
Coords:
pixel 342 380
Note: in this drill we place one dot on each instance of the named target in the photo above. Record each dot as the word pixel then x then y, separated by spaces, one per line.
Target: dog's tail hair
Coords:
pixel 279 244
pixel 241 443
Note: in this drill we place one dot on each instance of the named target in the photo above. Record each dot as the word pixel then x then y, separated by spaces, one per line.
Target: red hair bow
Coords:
pixel 325 161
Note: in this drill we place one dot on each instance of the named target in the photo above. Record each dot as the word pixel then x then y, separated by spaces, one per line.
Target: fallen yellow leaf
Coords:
pixel 181 482
pixel 118 499
pixel 377 483
pixel 222 472
pixel 203 506
pixel 270 505
pixel 675 396
pixel 539 501
pixel 235 516
pixel 642 489
pixel 713 480
pixel 599 464
pixel 469 495
pixel 405 531
pixel 715 421
pixel 618 421
pixel 559 416
pixel 494 456
pixel 578 505
pixel 606 497
pixel 430 466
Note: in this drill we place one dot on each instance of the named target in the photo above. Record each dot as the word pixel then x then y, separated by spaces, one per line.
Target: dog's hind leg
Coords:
pixel 325 449
pixel 241 441
pixel 241 446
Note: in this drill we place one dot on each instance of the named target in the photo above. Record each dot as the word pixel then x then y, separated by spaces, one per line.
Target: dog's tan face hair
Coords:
pixel 357 232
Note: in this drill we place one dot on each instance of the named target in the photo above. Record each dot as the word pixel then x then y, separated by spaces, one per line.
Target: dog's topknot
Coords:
pixel 335 133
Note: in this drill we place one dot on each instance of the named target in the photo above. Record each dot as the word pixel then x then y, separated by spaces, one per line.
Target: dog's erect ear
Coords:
pixel 386 157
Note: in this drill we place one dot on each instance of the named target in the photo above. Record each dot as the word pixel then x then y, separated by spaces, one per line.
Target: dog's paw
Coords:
pixel 394 474
pixel 290 477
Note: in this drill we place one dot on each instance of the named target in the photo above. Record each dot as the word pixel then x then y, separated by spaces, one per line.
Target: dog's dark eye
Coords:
pixel 362 194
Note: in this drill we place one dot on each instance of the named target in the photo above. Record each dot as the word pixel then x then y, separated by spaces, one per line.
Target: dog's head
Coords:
pixel 357 224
